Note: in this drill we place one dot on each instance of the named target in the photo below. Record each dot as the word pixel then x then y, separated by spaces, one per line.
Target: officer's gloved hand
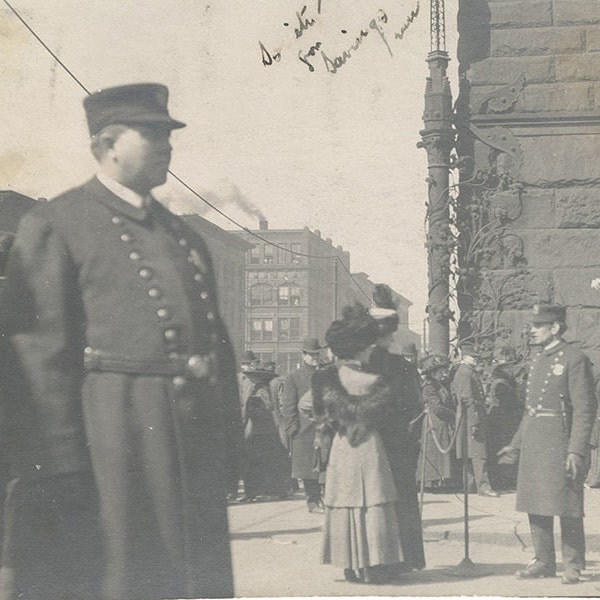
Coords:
pixel 508 455
pixel 575 465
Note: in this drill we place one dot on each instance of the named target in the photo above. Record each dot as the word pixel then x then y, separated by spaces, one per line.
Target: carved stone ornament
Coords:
pixel 501 99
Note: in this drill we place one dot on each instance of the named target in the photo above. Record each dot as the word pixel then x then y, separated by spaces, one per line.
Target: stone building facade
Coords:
pixel 528 120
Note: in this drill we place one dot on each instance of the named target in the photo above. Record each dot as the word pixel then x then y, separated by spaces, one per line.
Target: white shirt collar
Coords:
pixel 121 191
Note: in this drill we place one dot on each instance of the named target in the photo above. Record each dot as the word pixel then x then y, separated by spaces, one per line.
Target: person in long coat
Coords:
pixel 593 477
pixel 552 444
pixel 361 532
pixel 440 465
pixel 300 426
pixel 124 405
pixel 505 412
pixel 265 466
pixel 401 432
pixel 470 398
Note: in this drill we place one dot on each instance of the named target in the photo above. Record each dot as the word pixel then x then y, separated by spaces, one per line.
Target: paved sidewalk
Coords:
pixel 276 548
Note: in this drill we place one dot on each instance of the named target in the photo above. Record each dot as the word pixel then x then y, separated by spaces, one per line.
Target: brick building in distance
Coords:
pixel 296 285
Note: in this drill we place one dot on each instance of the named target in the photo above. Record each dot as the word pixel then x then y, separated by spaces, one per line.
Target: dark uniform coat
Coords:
pixel 559 416
pixel 300 427
pixel 468 391
pixel 442 420
pixel 104 304
pixel 400 437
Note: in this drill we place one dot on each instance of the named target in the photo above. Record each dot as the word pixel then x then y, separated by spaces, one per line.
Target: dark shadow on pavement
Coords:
pixel 248 535
pixel 447 521
pixel 444 573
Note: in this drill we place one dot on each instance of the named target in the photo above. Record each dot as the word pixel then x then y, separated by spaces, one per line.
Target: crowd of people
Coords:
pixel 370 425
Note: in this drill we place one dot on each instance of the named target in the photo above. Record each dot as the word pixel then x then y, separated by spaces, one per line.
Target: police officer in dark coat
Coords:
pixel 553 445
pixel 125 410
pixel 299 424
pixel 470 398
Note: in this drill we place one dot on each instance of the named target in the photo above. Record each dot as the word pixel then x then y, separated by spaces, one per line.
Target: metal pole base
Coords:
pixel 467 568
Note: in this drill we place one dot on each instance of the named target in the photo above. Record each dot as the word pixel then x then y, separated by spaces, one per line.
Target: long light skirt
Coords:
pixel 355 538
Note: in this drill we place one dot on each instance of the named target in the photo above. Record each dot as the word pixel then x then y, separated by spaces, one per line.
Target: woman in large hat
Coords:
pixel 440 460
pixel 360 531
pixel 265 469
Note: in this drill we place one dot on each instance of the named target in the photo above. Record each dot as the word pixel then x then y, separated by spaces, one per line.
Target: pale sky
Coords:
pixel 335 151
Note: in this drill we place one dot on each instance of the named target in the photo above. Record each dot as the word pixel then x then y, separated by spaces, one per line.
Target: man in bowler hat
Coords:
pixel 299 424
pixel 552 446
pixel 125 411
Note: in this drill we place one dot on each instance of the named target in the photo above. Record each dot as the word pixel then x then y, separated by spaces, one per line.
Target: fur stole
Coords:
pixel 351 415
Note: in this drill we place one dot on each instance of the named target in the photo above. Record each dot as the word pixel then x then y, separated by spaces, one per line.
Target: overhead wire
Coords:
pixel 179 179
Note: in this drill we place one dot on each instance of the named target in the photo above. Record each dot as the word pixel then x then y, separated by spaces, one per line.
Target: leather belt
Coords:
pixel 195 366
pixel 543 412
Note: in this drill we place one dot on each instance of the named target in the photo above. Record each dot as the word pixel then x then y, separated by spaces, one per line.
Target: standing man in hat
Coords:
pixel 553 445
pixel 470 399
pixel 126 422
pixel 299 424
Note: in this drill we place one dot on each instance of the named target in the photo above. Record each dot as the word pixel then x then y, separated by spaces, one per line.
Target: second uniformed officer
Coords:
pixel 553 443
pixel 124 379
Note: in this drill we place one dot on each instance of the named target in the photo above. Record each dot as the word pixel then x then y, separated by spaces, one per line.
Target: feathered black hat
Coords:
pixel 385 310
pixel 355 331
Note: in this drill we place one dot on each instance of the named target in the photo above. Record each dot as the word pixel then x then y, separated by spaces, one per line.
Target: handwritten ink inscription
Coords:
pixel 317 53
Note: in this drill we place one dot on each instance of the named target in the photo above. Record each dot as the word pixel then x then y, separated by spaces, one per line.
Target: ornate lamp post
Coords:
pixel 438 140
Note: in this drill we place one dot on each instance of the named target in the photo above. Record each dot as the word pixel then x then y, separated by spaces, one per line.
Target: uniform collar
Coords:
pixel 556 348
pixel 102 193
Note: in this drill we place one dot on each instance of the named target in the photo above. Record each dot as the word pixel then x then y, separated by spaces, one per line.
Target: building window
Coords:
pixel 294 295
pixel 284 256
pixel 283 294
pixel 254 255
pixel 268 249
pixel 262 294
pixel 288 362
pixel 295 248
pixel 288 295
pixel 289 329
pixel 261 330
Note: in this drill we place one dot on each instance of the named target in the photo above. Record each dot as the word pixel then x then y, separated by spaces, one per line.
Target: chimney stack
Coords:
pixel 263 224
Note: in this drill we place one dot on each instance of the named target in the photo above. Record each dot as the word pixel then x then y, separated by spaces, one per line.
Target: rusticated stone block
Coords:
pixel 537 41
pixel 592 39
pixel 583 67
pixel 584 330
pixel 556 97
pixel 532 209
pixel 573 287
pixel 543 97
pixel 500 71
pixel 574 12
pixel 546 249
pixel 515 291
pixel 526 13
pixel 578 208
pixel 559 159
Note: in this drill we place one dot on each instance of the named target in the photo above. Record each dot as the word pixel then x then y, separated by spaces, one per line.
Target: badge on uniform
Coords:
pixel 558 369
